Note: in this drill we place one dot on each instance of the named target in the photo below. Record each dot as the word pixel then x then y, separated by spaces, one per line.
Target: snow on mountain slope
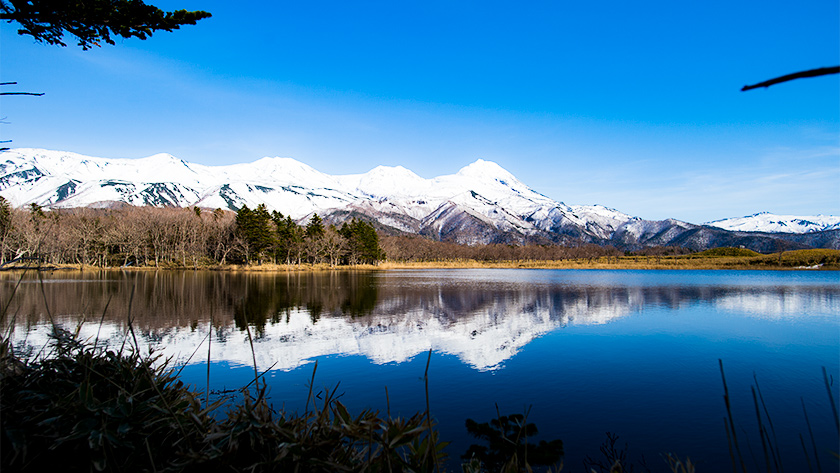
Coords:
pixel 481 203
pixel 386 181
pixel 600 220
pixel 772 223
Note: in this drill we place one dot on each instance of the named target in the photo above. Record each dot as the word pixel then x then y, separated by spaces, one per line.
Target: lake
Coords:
pixel 634 353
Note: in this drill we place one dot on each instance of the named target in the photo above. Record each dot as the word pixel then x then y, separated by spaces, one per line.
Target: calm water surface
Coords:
pixel 630 352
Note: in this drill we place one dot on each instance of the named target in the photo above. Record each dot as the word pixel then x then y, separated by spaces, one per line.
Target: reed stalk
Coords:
pixel 761 431
pixel 731 421
pixel 831 400
pixel 811 433
pixel 776 454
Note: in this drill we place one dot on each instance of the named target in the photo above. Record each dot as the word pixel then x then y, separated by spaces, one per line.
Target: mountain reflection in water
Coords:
pixel 386 316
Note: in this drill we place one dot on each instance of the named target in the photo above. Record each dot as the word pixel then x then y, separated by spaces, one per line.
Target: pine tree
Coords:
pixel 362 242
pixel 254 228
pixel 289 236
pixel 315 227
pixel 92 21
pixel 262 233
pixel 371 251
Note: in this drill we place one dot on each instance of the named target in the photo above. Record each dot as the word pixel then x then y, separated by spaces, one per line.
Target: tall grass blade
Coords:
pixel 831 399
pixel 311 385
pixel 749 448
pixel 761 430
pixel 253 354
pixel 101 321
pixel 731 421
pixel 209 343
pixel 187 361
pixel 777 457
pixel 258 377
pixel 431 448
pixel 729 442
pixel 46 304
pixel 11 296
pixel 130 304
pixel 805 451
pixel 811 433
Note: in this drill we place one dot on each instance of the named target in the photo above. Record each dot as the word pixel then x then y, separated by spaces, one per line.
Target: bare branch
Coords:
pixel 796 75
pixel 18 93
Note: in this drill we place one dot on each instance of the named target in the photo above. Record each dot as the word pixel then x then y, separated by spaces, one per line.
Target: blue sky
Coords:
pixel 632 105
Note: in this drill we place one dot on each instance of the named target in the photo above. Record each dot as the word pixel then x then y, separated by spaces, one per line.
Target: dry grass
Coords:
pixel 800 259
pixel 822 259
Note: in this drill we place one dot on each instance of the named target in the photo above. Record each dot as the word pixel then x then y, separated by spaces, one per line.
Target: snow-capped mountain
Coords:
pixel 768 222
pixel 482 196
pixel 481 203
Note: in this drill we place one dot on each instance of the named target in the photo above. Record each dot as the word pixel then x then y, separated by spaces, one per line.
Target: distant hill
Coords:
pixel 772 223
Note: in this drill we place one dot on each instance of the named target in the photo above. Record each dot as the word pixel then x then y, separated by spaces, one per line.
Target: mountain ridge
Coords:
pixel 481 203
pixel 775 223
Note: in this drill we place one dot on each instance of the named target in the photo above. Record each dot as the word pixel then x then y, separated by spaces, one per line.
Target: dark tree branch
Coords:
pixel 92 21
pixel 796 75
pixel 18 93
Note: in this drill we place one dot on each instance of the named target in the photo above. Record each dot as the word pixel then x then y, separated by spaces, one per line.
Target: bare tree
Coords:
pixel 334 245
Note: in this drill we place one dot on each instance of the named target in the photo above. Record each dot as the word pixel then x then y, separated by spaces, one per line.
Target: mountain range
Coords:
pixel 482 332
pixel 482 203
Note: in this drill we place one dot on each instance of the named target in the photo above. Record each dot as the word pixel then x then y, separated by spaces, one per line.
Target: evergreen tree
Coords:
pixel 289 237
pixel 362 242
pixel 315 227
pixel 263 232
pixel 254 230
pixel 92 21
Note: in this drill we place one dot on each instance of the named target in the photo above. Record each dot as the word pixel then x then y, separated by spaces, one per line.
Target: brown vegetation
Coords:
pixel 403 249
pixel 192 238
pixel 177 238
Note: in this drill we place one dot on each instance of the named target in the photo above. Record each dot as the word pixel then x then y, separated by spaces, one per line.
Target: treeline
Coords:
pixel 194 237
pixel 417 248
pixel 187 237
pixel 264 236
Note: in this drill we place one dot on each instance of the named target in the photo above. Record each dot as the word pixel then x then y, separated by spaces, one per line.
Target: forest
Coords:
pixel 179 237
pixel 196 237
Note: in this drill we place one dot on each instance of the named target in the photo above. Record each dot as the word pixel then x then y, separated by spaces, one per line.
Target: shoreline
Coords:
pixel 801 260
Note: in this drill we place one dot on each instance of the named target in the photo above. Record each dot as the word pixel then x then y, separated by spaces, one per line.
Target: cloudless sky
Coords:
pixel 632 105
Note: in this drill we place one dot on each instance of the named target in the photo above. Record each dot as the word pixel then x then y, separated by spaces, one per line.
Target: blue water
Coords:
pixel 634 353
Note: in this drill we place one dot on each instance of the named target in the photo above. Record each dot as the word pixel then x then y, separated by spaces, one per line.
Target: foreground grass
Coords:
pixel 85 409
pixel 82 408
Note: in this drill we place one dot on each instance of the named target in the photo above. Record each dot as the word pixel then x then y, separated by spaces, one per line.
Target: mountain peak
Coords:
pixel 279 170
pixel 387 180
pixel 485 170
pixel 161 157
pixel 396 173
